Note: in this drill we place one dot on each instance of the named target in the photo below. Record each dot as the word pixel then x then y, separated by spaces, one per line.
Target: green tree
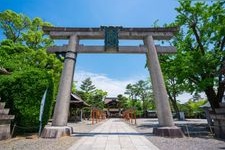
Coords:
pixel 141 91
pixel 130 91
pixel 87 86
pixel 90 94
pixel 32 69
pixel 13 24
pixel 137 105
pixel 200 44
pixel 144 91
pixel 98 97
pixel 21 29
pixel 22 90
pixel 122 101
pixel 174 87
pixel 74 89
pixel 34 36
pixel 192 108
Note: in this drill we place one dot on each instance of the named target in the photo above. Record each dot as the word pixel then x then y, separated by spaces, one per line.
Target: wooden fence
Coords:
pixel 130 115
pixel 97 115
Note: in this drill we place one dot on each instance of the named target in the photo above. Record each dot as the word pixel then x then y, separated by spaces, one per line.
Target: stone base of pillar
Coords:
pixel 172 132
pixel 56 131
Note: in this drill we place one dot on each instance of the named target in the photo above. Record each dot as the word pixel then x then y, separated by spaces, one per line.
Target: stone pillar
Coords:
pixel 63 98
pixel 61 111
pixel 159 90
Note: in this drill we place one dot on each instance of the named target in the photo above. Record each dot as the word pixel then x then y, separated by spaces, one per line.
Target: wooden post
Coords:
pixel 135 117
pixel 131 117
pixel 96 116
pixel 92 116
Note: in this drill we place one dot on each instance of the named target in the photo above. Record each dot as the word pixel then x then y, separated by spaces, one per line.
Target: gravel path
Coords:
pixel 188 143
pixel 21 143
pixel 35 143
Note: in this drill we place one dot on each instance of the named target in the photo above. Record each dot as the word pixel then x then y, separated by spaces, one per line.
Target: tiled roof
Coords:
pixel 109 99
pixel 76 100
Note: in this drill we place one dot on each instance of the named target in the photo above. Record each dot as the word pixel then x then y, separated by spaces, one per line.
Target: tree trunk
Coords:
pixel 211 95
pixel 175 107
pixel 220 93
pixel 144 109
pixel 174 104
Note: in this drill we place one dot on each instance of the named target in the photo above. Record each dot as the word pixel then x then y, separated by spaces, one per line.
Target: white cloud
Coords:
pixel 102 81
pixel 183 98
pixel 115 86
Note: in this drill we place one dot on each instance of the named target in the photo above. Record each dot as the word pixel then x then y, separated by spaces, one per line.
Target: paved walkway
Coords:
pixel 114 134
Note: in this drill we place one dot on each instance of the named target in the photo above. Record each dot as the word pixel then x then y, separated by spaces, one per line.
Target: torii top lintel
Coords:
pixel 159 33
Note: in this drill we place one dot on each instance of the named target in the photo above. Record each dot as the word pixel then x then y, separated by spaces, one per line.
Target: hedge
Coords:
pixel 22 91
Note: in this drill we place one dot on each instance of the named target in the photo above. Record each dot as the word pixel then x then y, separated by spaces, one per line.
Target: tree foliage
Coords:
pixel 23 92
pixel 94 97
pixel 87 86
pixel 13 24
pixel 32 69
pixel 173 86
pixel 21 29
pixel 141 91
pixel 199 63
pixel 192 108
pixel 122 101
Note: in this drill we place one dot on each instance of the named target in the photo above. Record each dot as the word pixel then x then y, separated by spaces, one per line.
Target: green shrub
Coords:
pixel 23 91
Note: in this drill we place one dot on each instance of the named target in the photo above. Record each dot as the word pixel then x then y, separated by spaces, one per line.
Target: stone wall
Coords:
pixel 5 121
pixel 219 122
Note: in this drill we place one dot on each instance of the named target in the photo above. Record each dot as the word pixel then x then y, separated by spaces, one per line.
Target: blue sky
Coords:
pixel 109 72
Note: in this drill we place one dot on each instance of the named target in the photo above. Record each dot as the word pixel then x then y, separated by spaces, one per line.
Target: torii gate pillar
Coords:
pixel 166 125
pixel 159 90
pixel 59 124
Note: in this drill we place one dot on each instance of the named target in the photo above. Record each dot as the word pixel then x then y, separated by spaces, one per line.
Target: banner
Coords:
pixel 42 105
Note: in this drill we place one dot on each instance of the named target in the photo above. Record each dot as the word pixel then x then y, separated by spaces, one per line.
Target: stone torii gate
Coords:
pixel 111 35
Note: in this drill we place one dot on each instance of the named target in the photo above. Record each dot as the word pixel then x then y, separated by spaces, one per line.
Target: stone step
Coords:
pixel 4 122
pixel 3 126
pixel 4 111
pixel 2 105
pixel 6 117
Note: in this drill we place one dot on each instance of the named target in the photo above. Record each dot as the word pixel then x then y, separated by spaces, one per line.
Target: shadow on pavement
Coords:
pixel 80 134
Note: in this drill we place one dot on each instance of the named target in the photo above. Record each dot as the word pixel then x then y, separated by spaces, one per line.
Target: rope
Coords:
pixel 21 127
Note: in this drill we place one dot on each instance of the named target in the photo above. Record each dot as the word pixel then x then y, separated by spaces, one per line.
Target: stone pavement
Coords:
pixel 114 134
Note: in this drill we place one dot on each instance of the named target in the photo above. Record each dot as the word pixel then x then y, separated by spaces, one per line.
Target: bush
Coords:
pixel 22 91
pixel 192 108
